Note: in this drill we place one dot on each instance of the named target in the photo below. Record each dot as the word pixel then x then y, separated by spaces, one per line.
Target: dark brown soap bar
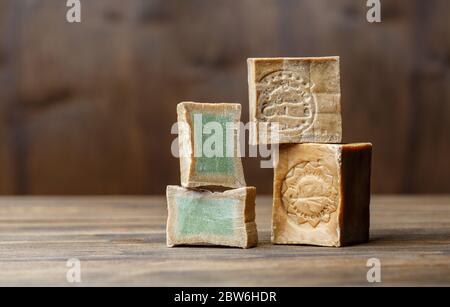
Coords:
pixel 322 194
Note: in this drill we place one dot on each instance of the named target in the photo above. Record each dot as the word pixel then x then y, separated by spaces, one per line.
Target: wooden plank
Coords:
pixel 121 241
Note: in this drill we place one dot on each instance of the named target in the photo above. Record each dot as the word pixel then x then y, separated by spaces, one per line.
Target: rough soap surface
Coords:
pixel 301 95
pixel 322 194
pixel 201 217
pixel 200 170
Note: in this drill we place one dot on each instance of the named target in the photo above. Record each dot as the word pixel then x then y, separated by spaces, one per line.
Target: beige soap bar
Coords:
pixel 302 96
pixel 201 217
pixel 322 194
pixel 209 145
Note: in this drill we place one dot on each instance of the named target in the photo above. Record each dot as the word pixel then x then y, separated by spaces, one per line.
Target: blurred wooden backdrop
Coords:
pixel 87 108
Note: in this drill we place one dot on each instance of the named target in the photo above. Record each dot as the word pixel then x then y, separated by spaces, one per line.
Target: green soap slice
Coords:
pixel 201 216
pixel 212 165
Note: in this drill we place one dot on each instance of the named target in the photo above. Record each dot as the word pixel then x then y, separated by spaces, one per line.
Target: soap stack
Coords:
pixel 213 205
pixel 321 186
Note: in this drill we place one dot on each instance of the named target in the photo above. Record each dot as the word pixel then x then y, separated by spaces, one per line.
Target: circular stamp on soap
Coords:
pixel 308 193
pixel 285 98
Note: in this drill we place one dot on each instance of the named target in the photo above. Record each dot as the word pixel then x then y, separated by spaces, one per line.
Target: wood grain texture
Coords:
pixel 87 109
pixel 121 242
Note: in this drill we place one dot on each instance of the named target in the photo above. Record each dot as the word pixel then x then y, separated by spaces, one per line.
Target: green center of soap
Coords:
pixel 200 216
pixel 222 162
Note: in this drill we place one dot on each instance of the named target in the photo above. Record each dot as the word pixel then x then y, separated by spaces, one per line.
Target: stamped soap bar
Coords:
pixel 201 217
pixel 322 194
pixel 295 100
pixel 209 145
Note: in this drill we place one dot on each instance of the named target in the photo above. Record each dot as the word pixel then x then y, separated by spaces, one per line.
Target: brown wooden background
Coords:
pixel 87 108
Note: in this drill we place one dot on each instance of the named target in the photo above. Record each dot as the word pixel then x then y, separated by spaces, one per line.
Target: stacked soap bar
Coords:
pixel 321 187
pixel 205 217
pixel 213 206
pixel 209 143
pixel 300 95
pixel 322 194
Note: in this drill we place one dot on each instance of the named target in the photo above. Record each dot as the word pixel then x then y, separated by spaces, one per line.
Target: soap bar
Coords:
pixel 322 194
pixel 209 145
pixel 202 217
pixel 301 96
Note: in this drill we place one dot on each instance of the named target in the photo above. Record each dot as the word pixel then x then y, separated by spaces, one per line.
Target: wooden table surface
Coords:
pixel 120 241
